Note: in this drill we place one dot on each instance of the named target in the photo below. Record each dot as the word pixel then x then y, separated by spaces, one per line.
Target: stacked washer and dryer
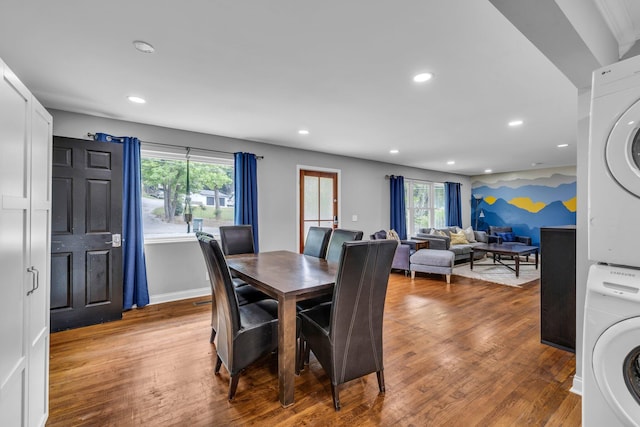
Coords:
pixel 611 346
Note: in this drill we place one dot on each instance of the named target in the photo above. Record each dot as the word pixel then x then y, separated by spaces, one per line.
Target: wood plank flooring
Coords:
pixel 467 354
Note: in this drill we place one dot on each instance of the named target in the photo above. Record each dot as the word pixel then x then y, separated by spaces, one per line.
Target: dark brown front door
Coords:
pixel 86 220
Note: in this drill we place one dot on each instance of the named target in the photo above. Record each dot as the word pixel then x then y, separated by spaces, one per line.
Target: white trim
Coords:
pixel 171 238
pixel 317 169
pixel 577 385
pixel 180 295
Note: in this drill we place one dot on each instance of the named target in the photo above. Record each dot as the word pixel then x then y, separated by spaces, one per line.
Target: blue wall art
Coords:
pixel 525 203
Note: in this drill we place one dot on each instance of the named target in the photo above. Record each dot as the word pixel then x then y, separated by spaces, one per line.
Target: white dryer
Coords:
pixel 614 164
pixel 611 357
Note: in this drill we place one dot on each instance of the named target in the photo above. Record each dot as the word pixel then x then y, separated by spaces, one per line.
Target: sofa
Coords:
pixel 441 239
pixel 403 252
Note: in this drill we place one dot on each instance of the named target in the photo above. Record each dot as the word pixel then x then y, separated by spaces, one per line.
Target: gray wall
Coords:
pixel 176 270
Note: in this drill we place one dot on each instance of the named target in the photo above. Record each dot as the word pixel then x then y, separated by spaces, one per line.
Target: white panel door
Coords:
pixel 14 221
pixel 39 242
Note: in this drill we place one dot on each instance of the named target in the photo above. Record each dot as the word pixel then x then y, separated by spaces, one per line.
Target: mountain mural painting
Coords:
pixel 526 205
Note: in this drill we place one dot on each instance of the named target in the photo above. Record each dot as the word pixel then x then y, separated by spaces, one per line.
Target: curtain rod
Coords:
pixel 91 135
pixel 412 179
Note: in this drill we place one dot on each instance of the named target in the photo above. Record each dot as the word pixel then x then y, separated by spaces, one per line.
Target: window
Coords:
pixel 424 202
pixel 164 186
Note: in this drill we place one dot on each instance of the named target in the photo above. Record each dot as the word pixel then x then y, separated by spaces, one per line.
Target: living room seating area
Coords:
pixel 455 239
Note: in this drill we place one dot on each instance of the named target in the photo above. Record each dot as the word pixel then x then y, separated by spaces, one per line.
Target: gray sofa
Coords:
pixel 462 252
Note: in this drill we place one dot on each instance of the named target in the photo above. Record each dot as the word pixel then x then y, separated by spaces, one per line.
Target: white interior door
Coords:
pixel 14 210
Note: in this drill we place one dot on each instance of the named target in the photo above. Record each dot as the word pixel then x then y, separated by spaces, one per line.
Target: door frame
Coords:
pixel 338 172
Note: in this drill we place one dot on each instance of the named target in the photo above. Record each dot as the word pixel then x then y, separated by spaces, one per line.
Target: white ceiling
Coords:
pixel 261 70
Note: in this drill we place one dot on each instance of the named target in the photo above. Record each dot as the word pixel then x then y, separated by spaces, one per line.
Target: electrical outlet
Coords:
pixel 354 218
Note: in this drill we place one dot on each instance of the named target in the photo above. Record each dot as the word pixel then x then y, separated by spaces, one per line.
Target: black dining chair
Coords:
pixel 246 293
pixel 237 239
pixel 316 245
pixel 245 332
pixel 317 241
pixel 338 237
pixel 345 335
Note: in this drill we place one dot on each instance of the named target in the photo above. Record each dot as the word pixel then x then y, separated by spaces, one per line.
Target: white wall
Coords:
pixel 177 270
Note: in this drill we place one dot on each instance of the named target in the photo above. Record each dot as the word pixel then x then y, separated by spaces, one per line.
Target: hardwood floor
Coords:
pixel 466 354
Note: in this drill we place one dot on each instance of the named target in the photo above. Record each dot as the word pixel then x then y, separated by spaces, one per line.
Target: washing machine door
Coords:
pixel 623 150
pixel 616 365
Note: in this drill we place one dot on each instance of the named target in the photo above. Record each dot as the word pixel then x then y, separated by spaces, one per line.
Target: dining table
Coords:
pixel 287 277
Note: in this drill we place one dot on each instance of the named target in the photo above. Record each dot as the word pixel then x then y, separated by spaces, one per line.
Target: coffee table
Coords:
pixel 512 250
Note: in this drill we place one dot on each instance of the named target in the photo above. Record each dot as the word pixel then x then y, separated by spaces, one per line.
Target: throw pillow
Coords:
pixel 507 237
pixel 458 239
pixel 468 234
pixel 440 233
pixel 392 235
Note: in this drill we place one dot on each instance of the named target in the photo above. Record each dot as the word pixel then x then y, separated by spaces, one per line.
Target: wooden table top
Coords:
pixel 284 272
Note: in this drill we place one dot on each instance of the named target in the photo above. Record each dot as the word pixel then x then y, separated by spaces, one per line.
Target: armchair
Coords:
pixel 505 235
pixel 405 249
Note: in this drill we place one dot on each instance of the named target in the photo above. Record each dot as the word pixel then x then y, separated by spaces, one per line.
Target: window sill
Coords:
pixel 174 238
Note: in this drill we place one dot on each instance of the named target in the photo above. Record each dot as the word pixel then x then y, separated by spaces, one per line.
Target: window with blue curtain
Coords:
pixel 398 212
pixel 134 270
pixel 246 192
pixel 453 206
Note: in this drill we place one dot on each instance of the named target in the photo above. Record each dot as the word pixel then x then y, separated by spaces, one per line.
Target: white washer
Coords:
pixel 611 357
pixel 614 164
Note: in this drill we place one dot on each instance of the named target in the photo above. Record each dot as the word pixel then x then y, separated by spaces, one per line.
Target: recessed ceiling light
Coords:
pixel 515 123
pixel 562 145
pixel 451 162
pixel 631 122
pixel 136 99
pixel 422 77
pixel 303 132
pixel 394 151
pixel 488 170
pixel 143 47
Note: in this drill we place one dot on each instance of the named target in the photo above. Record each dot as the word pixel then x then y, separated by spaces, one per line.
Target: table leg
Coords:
pixel 536 260
pixel 517 258
pixel 286 349
pixel 471 261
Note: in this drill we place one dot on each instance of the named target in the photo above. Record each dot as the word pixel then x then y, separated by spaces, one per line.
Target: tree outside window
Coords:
pixel 164 187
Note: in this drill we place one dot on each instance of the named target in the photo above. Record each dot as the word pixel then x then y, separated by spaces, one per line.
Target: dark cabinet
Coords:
pixel 558 287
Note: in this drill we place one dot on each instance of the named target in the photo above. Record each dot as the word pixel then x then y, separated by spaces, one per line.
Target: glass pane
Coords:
pixel 164 186
pixel 439 220
pixel 420 195
pixel 311 190
pixel 326 198
pixel 438 190
pixel 326 223
pixel 420 219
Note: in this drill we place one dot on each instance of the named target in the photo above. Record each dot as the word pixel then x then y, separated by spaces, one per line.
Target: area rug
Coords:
pixel 485 269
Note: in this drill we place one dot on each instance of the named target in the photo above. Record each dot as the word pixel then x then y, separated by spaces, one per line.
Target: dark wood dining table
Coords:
pixel 287 277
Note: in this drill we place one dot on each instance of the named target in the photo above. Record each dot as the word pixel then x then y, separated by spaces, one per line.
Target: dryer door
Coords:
pixel 623 150
pixel 616 365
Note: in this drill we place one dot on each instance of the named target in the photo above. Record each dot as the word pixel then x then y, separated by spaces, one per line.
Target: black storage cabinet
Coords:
pixel 558 287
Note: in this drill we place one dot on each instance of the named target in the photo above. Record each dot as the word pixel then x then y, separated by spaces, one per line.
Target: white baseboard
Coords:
pixel 176 296
pixel 577 385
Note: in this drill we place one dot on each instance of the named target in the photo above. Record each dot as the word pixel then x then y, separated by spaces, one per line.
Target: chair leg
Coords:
pixel 336 397
pixel 213 336
pixel 218 364
pixel 233 385
pixel 307 353
pixel 380 375
pixel 300 356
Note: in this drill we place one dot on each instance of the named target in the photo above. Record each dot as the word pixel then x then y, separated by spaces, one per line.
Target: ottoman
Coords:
pixel 432 261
